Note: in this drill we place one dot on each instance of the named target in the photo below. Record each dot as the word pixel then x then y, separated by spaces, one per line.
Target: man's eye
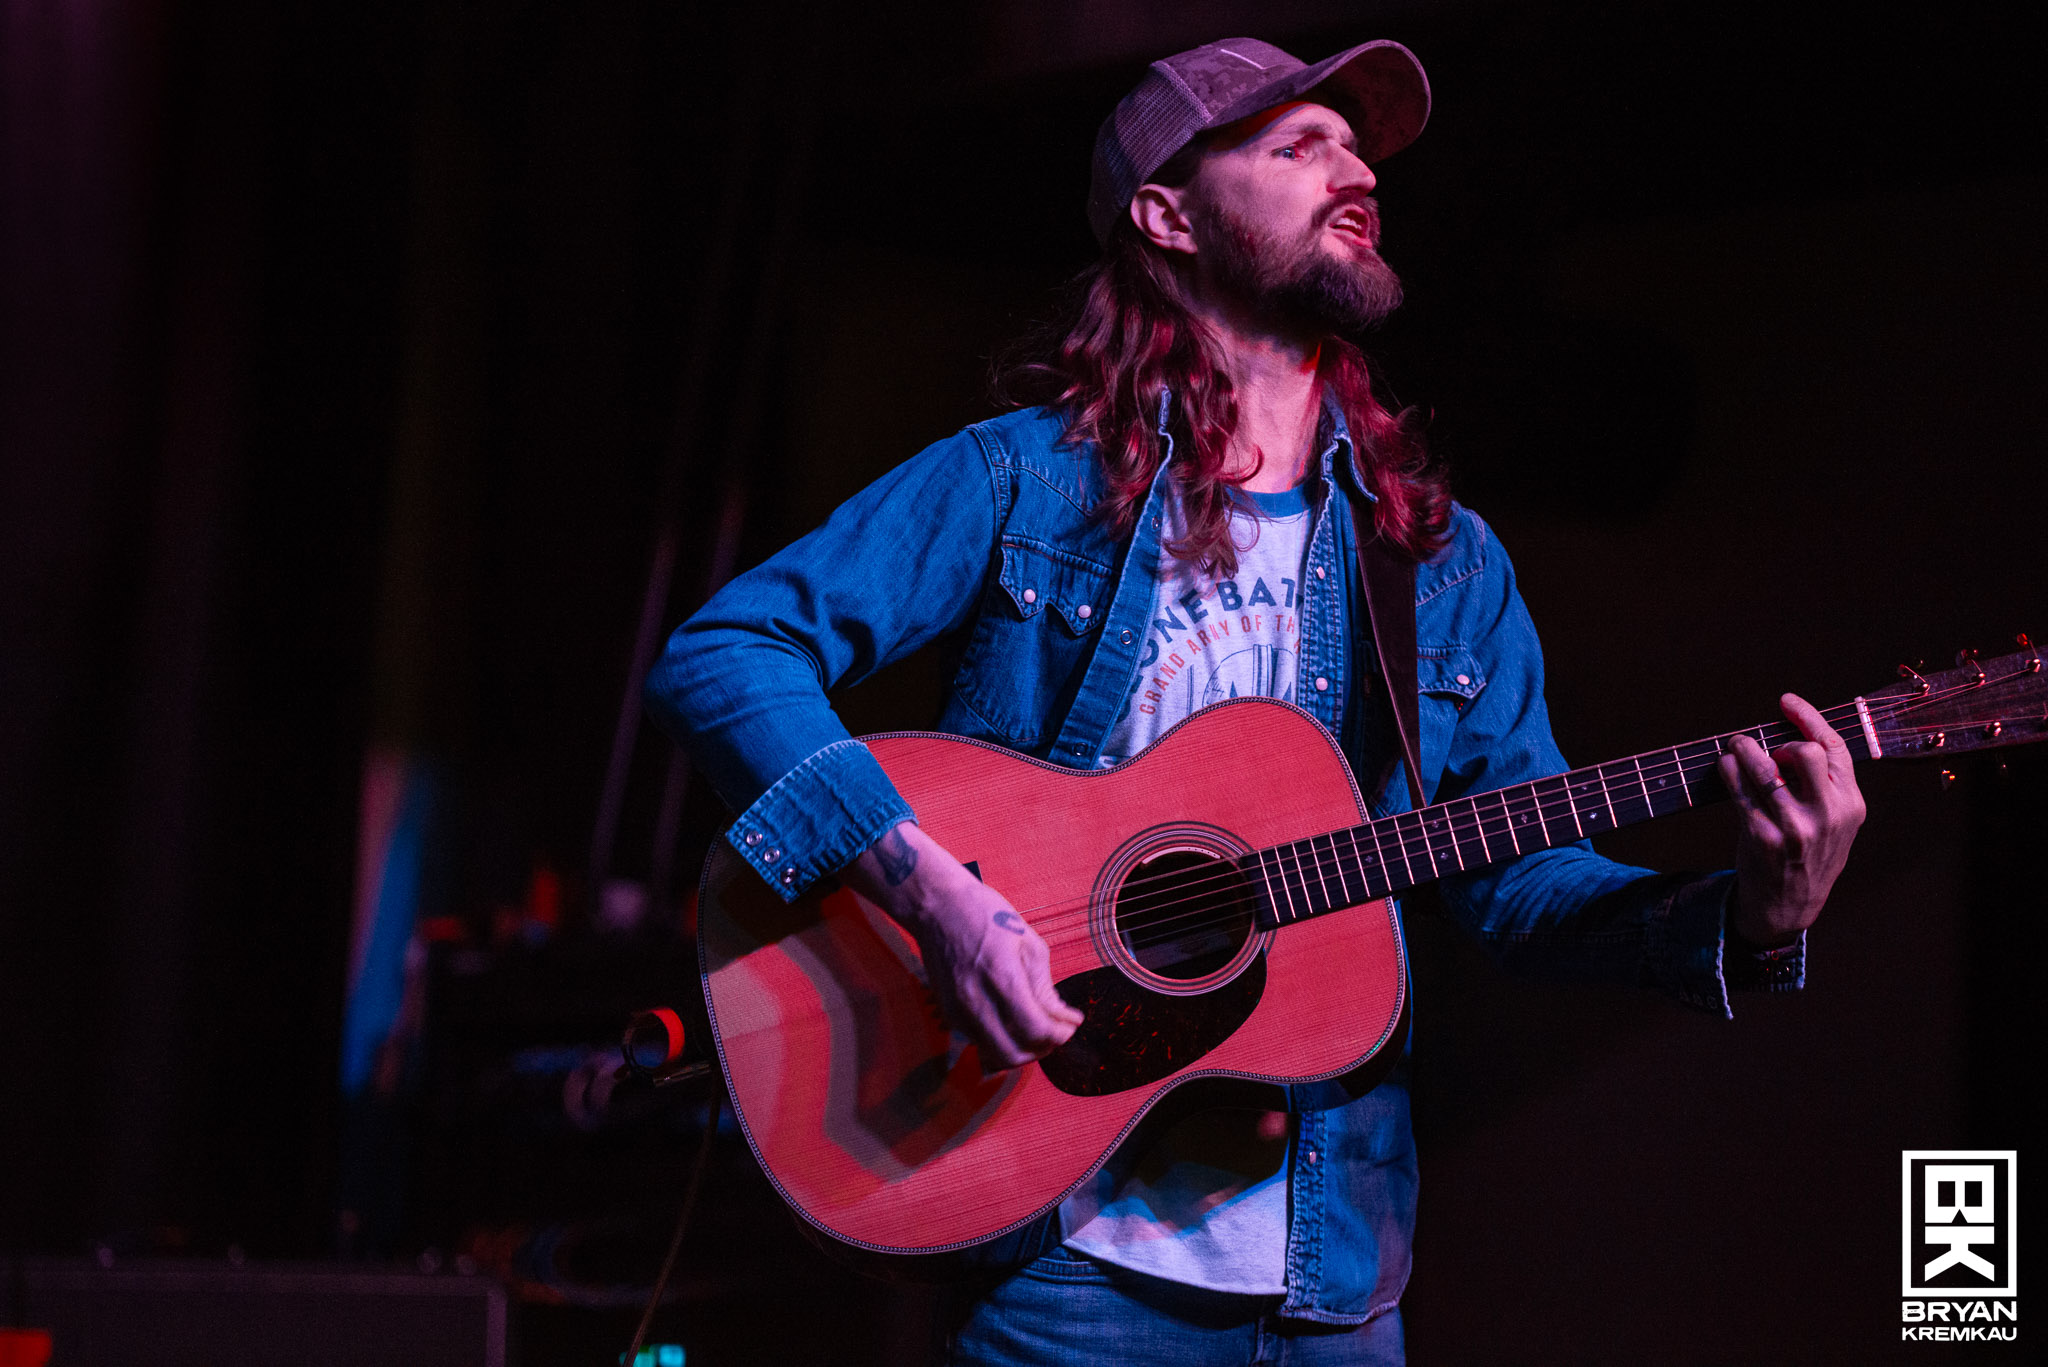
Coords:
pixel 1291 152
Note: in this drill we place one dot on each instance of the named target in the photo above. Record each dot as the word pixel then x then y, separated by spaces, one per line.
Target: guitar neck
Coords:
pixel 1305 878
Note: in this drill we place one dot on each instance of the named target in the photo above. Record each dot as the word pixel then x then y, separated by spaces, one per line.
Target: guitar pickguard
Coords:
pixel 1133 1035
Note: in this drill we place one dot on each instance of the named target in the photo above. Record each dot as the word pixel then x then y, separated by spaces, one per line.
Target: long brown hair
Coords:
pixel 1125 334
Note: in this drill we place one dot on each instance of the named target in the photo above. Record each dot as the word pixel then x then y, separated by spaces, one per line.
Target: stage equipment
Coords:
pixel 653 1048
pixel 252 1315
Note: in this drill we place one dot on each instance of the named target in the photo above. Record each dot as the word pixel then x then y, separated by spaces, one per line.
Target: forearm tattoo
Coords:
pixel 897 858
pixel 1010 921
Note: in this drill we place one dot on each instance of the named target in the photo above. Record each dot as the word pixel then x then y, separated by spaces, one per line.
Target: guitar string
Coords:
pixel 1226 899
pixel 1327 868
pixel 1564 798
pixel 1464 826
pixel 1467 825
pixel 1315 868
pixel 1306 868
pixel 1772 733
pixel 1561 793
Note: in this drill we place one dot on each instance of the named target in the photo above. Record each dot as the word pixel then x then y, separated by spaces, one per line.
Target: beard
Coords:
pixel 1300 284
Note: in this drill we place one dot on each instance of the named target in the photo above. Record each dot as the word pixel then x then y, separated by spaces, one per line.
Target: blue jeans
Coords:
pixel 1065 1308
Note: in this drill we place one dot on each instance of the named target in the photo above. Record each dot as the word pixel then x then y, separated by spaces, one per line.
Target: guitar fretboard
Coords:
pixel 1338 869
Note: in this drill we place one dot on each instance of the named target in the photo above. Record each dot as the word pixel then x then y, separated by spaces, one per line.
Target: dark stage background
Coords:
pixel 358 356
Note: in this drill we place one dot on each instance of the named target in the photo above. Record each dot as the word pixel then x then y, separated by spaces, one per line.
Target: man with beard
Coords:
pixel 1207 440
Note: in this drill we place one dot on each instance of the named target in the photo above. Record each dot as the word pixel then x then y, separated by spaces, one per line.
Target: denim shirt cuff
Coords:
pixel 1694 954
pixel 817 818
pixel 1751 968
pixel 1682 942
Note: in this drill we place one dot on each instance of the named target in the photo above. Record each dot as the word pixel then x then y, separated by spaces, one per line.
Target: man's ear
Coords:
pixel 1160 212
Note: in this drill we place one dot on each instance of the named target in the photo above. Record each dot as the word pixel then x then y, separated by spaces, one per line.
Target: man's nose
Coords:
pixel 1349 171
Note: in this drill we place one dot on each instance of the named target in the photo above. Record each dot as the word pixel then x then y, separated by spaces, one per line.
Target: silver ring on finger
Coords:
pixel 1777 782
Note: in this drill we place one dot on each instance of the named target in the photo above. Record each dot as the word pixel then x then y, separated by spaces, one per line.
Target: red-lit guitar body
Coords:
pixel 874 1120
pixel 1188 898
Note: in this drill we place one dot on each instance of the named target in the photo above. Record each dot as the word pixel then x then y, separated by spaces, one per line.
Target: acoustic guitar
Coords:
pixel 1221 908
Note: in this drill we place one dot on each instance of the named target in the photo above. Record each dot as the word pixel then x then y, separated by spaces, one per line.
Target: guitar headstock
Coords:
pixel 1975 706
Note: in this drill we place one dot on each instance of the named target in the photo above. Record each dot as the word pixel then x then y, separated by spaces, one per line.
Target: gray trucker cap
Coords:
pixel 1379 87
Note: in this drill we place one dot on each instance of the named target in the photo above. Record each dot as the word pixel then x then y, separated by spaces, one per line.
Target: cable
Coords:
pixel 675 1243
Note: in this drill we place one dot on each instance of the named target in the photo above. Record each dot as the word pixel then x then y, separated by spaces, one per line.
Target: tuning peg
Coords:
pixel 1908 672
pixel 1948 779
pixel 1967 659
pixel 2033 665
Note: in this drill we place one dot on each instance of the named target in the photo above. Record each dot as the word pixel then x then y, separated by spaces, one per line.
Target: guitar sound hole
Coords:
pixel 1183 915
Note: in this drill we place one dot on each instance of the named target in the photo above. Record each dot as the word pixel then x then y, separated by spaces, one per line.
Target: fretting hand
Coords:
pixel 1800 810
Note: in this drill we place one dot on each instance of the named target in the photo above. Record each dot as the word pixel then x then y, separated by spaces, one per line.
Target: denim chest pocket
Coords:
pixel 1448 679
pixel 1037 630
pixel 1448 671
pixel 1064 587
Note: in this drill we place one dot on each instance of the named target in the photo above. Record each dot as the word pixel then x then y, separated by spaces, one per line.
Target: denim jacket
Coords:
pixel 988 537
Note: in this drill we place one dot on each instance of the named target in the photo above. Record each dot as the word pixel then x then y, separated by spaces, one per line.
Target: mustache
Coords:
pixel 1357 200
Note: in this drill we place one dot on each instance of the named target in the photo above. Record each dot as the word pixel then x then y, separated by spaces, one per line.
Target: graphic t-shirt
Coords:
pixel 1214 638
pixel 1207 1204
